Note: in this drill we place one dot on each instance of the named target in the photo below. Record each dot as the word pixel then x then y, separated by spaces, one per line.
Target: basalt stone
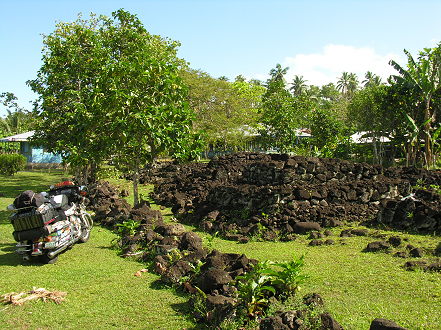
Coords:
pixel 213 279
pixel 329 323
pixel 416 253
pixel 305 227
pixel 434 267
pixel 316 242
pixel 395 241
pixel 377 246
pixel 191 241
pixel 384 324
pixel 273 323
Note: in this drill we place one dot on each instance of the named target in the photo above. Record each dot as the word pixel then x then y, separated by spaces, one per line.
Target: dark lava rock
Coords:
pixel 213 279
pixel 329 323
pixel 273 323
pixel 359 232
pixel 413 265
pixel 191 242
pixel 416 253
pixel 305 227
pixel 377 246
pixel 434 267
pixel 175 272
pixel 383 324
pixel 395 241
pixel 400 254
pixel 316 242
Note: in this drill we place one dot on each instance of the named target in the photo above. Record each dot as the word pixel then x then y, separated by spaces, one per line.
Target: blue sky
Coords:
pixel 316 39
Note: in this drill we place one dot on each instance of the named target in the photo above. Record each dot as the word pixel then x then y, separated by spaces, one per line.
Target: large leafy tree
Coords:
pixel 224 110
pixel 282 115
pixel 68 122
pixel 424 77
pixel 144 96
pixel 109 88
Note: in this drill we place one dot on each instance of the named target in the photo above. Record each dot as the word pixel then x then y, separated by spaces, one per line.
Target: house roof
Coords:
pixel 363 137
pixel 22 137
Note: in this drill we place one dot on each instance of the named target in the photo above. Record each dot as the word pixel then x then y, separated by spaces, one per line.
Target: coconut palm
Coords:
pixel 371 79
pixel 343 82
pixel 353 84
pixel 278 73
pixel 298 86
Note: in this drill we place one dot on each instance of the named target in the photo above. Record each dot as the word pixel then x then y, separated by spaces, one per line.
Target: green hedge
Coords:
pixel 12 163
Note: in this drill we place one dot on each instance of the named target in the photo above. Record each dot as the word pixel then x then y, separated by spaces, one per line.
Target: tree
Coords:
pixel 68 122
pixel 298 86
pixel 368 111
pixel 343 82
pixel 347 84
pixel 109 88
pixel 282 115
pixel 371 79
pixel 144 95
pixel 278 73
pixel 223 109
pixel 424 77
pixel 17 121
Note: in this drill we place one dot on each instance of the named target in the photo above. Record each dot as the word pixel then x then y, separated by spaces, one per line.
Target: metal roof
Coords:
pixel 22 137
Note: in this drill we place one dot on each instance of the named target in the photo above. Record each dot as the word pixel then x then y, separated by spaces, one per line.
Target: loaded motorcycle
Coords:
pixel 47 223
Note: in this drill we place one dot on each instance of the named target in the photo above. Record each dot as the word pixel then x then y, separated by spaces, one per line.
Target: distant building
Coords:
pixel 20 143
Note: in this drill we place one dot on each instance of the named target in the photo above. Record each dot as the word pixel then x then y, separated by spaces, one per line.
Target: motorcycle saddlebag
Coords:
pixel 31 233
pixel 34 218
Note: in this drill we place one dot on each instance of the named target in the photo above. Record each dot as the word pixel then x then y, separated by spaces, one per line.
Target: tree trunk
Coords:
pixel 135 182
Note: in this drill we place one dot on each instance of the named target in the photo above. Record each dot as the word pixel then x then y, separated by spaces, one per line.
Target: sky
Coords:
pixel 315 39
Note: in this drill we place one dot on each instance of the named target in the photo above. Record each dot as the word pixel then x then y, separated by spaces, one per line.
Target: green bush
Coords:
pixel 12 163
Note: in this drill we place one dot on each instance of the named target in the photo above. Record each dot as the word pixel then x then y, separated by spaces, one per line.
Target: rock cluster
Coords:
pixel 241 193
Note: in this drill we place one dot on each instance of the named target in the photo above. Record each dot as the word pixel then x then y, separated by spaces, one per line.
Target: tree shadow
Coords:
pixel 9 257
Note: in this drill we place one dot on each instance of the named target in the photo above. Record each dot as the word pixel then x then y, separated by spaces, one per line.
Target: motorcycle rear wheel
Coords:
pixel 48 260
pixel 85 235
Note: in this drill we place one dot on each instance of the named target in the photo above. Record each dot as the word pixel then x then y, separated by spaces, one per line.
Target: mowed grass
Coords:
pixel 102 291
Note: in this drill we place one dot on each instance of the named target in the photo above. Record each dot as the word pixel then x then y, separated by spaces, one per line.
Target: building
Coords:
pixel 20 143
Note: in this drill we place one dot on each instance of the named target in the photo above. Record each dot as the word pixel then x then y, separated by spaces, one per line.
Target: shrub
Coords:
pixel 12 163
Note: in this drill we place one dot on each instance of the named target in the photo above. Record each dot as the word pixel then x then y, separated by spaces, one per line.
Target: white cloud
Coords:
pixel 321 69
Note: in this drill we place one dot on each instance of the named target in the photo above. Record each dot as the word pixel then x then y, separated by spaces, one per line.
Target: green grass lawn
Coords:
pixel 103 293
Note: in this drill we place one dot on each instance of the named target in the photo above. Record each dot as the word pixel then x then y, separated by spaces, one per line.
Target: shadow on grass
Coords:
pixel 9 257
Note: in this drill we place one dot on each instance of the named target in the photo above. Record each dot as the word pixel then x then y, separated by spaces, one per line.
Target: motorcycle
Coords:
pixel 47 223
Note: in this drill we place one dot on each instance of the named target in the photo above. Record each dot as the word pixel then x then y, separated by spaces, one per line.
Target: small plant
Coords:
pixel 436 188
pixel 289 278
pixel 254 289
pixel 128 227
pixel 211 239
pixel 420 184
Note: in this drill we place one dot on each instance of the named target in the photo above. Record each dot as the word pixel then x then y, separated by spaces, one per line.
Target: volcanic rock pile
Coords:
pixel 239 194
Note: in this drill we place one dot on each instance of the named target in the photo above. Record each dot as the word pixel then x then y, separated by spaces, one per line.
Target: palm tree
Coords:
pixel 423 77
pixel 298 85
pixel 240 78
pixel 353 84
pixel 278 73
pixel 343 82
pixel 371 79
